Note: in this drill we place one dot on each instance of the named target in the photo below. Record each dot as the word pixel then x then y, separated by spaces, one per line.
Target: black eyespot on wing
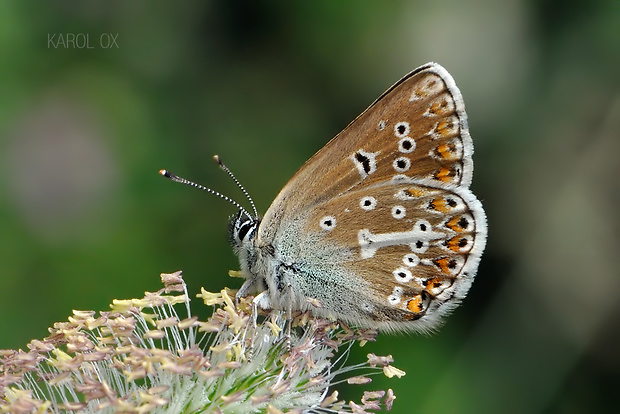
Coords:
pixel 364 160
pixel 463 223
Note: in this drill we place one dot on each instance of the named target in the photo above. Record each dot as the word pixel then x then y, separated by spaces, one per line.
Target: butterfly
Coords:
pixel 379 228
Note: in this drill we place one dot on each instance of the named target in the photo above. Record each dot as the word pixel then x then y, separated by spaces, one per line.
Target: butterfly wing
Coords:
pixel 418 128
pixel 413 243
pixel 379 226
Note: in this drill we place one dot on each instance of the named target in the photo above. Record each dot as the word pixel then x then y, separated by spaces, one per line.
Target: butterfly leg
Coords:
pixel 286 291
pixel 289 318
pixel 250 286
pixel 255 304
pixel 261 300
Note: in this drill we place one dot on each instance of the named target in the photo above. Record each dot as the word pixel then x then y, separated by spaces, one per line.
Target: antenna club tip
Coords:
pixel 217 159
pixel 165 173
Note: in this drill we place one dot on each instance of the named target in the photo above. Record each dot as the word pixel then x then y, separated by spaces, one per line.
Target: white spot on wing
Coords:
pixel 402 275
pixel 328 223
pixel 411 260
pixel 406 145
pixel 401 164
pixel 396 295
pixel 402 129
pixel 365 162
pixel 370 243
pixel 368 203
pixel 399 212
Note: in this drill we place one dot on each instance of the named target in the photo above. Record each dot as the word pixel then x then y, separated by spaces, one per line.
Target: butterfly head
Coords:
pixel 242 229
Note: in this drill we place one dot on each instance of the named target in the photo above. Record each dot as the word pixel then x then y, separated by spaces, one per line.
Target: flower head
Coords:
pixel 142 357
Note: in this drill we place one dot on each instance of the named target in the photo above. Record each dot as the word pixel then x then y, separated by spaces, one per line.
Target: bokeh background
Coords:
pixel 85 218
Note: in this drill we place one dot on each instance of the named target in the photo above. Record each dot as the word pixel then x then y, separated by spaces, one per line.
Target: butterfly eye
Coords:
pixel 393 299
pixel 244 229
pixel 449 265
pixel 459 243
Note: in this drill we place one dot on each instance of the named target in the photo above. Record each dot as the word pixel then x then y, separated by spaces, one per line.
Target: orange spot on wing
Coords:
pixel 420 93
pixel 433 283
pixel 439 108
pixel 414 192
pixel 457 223
pixel 440 205
pixel 444 174
pixel 415 305
pixel 445 264
pixel 446 151
pixel 443 150
pixel 456 243
pixel 443 128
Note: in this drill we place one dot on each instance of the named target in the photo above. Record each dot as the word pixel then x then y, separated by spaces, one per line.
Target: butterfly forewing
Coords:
pixel 418 128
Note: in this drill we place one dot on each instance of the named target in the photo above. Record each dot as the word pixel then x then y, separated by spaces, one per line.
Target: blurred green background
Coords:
pixel 85 218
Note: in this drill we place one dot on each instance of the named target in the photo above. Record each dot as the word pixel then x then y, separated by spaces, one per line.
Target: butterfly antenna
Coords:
pixel 225 168
pixel 182 180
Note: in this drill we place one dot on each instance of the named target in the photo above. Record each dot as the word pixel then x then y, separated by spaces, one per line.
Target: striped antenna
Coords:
pixel 225 168
pixel 182 180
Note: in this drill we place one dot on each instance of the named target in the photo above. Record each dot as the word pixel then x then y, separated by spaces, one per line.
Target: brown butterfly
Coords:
pixel 379 228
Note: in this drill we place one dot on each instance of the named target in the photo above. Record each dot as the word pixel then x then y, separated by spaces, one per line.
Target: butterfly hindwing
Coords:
pixel 417 244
